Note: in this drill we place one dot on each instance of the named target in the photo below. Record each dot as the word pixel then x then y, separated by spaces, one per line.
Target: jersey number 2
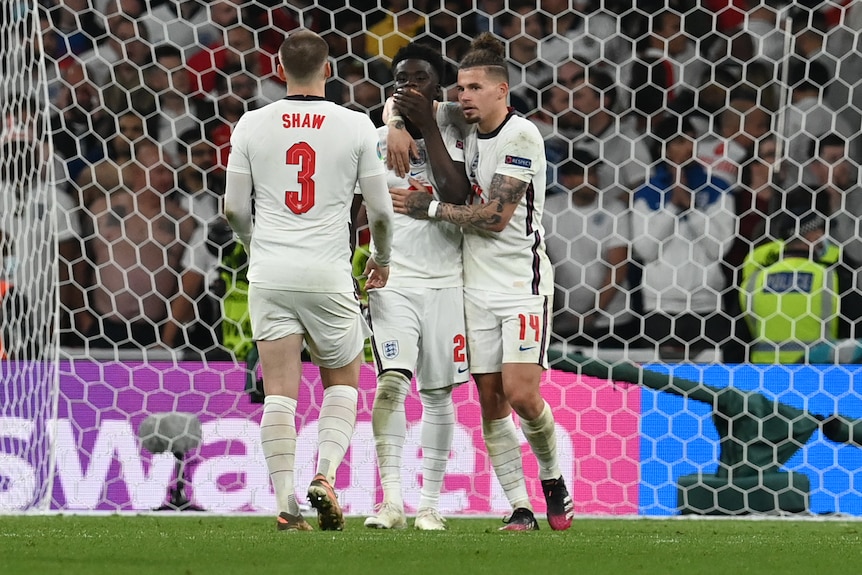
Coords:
pixel 303 155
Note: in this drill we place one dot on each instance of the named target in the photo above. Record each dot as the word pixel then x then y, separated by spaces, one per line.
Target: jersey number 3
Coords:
pixel 304 156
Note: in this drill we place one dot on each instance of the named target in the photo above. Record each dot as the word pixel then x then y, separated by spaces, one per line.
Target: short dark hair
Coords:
pixel 167 51
pixel 302 54
pixel 599 81
pixel 672 127
pixel 420 51
pixel 582 163
pixel 807 75
pixel 830 139
pixel 805 211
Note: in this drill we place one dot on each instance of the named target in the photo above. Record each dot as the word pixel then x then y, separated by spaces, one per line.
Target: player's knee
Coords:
pixel 392 387
pixel 526 404
pixel 436 399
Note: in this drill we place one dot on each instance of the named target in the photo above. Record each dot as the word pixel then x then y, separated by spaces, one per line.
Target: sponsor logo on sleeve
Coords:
pixel 519 161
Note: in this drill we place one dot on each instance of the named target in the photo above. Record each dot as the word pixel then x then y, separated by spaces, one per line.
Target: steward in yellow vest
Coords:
pixel 792 304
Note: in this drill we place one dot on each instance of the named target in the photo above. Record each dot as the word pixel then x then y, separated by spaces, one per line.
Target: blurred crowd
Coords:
pixel 687 143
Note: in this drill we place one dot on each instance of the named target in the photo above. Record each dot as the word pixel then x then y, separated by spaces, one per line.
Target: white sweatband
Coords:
pixel 432 209
pixel 394 120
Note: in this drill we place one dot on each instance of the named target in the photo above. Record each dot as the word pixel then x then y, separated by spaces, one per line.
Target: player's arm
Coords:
pixel 504 195
pixel 378 208
pixel 400 146
pixel 449 175
pixel 237 205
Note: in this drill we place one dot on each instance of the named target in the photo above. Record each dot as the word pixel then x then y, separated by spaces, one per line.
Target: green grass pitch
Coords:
pixel 201 545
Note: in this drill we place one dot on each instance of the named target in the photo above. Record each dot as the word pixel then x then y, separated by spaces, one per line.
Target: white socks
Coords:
pixel 504 450
pixel 542 438
pixel 278 441
pixel 389 424
pixel 335 428
pixel 438 429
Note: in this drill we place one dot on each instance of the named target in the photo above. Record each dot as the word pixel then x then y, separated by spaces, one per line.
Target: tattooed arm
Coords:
pixel 493 216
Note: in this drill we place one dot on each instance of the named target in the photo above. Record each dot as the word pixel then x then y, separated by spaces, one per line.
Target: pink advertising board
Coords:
pixel 100 464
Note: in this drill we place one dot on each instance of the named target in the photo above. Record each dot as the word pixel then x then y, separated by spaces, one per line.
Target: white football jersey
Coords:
pixel 512 261
pixel 305 156
pixel 425 253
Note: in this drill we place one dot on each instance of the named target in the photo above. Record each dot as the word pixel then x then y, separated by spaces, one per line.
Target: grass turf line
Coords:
pixel 163 545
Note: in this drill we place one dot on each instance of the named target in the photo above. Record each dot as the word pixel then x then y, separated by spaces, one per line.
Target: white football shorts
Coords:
pixel 420 330
pixel 332 323
pixel 506 328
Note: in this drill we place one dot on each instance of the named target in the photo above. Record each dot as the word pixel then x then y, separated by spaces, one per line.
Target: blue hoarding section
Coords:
pixel 678 436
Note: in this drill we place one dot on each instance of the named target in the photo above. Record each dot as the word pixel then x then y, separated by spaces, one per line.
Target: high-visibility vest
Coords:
pixel 790 306
pixel 767 254
pixel 236 323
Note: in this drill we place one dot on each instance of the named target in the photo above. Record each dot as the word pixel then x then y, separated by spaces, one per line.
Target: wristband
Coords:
pixel 432 209
pixel 395 121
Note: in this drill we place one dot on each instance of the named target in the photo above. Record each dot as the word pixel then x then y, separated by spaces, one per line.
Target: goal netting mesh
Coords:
pixel 28 266
pixel 689 145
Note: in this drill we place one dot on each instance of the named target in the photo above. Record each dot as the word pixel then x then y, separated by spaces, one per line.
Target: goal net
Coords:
pixel 691 147
pixel 28 266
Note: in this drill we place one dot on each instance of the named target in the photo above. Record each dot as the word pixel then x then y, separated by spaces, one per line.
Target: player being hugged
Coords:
pixel 301 159
pixel 508 278
pixel 418 318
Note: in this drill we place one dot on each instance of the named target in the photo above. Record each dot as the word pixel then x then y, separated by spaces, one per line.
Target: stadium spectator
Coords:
pixel 125 88
pixel 586 30
pixel 836 177
pixel 183 24
pixel 757 198
pixel 588 238
pixel 703 105
pixel 419 315
pixel 625 156
pixel 136 239
pixel 558 124
pixel 740 124
pixel 168 82
pixel 316 306
pixel 508 350
pixel 762 25
pixel 523 27
pixel 235 94
pixel 555 117
pixel 804 200
pixel 793 304
pixel 77 25
pixel 486 10
pixel 683 223
pixel 110 172
pixel 665 60
pixel 239 49
pixel 568 72
pixel 200 187
pixel 79 122
pixel 361 93
pixel 125 40
pixel 807 118
pixel 346 38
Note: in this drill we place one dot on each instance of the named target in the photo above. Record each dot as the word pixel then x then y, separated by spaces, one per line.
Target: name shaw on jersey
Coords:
pixel 297 120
